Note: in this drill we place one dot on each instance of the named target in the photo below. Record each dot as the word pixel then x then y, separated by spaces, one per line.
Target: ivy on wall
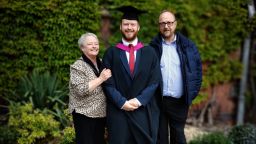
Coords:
pixel 42 35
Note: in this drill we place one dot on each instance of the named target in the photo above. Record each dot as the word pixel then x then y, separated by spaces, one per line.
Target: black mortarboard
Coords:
pixel 130 13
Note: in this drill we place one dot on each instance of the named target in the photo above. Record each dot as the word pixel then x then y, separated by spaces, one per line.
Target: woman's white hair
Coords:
pixel 83 37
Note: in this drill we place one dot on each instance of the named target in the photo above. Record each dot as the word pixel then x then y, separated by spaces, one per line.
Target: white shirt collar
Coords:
pixel 134 42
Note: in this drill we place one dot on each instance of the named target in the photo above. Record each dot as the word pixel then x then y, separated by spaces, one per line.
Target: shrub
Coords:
pixel 243 134
pixel 212 138
pixel 8 135
pixel 68 136
pixel 33 126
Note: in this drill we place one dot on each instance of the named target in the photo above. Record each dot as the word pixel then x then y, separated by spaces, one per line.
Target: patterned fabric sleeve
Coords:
pixel 79 79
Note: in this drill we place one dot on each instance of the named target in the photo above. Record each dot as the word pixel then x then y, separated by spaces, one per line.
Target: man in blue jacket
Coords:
pixel 181 70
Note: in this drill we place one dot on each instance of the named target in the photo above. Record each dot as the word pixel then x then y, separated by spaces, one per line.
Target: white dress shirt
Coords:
pixel 171 70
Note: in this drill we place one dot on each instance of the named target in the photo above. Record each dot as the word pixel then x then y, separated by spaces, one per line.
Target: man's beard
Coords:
pixel 130 38
pixel 167 34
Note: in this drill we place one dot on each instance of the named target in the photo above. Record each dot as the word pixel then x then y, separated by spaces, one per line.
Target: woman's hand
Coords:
pixel 105 74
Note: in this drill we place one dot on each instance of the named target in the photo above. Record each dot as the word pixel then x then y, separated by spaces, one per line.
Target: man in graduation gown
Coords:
pixel 132 91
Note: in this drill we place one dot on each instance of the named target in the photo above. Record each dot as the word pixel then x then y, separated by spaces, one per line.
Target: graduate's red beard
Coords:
pixel 129 35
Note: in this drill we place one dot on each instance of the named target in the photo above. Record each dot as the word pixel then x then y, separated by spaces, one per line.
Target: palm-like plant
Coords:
pixel 45 92
pixel 42 90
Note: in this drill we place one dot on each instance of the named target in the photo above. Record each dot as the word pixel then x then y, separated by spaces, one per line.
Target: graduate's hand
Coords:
pixel 135 102
pixel 128 106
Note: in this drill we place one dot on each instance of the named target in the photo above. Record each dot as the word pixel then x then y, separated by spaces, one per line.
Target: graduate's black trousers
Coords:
pixel 89 130
pixel 173 115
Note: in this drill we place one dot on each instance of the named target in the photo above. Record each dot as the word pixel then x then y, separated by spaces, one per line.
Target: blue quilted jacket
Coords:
pixel 190 62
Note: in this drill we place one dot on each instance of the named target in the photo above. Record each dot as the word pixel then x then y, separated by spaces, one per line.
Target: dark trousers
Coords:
pixel 89 130
pixel 173 115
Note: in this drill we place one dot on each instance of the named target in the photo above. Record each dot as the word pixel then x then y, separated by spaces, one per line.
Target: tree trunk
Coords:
pixel 207 110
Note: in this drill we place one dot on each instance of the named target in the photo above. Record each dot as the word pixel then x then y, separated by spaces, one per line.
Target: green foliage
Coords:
pixel 33 126
pixel 59 114
pixel 212 138
pixel 68 136
pixel 201 97
pixel 243 134
pixel 42 35
pixel 252 24
pixel 8 135
pixel 44 91
pixel 223 71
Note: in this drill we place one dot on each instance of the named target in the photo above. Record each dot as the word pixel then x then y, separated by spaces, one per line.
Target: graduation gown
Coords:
pixel 141 125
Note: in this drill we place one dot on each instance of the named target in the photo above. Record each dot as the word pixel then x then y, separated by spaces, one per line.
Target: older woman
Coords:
pixel 87 102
